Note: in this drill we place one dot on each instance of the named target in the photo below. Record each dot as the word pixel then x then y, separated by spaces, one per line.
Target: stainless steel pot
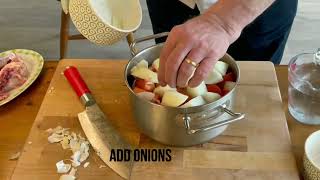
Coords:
pixel 179 126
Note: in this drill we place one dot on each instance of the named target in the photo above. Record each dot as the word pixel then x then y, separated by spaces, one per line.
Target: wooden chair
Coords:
pixel 65 36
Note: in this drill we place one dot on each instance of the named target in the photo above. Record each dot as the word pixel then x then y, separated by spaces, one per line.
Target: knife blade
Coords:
pixel 96 126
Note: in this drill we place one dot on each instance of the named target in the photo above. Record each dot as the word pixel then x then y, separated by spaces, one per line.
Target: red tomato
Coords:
pixel 224 92
pixel 143 84
pixel 156 99
pixel 221 84
pixel 229 77
pixel 214 88
pixel 138 90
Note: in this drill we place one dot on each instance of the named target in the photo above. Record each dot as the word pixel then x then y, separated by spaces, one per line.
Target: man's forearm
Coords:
pixel 234 15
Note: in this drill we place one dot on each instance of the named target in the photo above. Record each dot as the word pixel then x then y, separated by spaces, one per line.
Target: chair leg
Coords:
pixel 64 34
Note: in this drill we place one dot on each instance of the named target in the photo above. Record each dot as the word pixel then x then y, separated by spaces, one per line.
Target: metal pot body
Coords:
pixel 181 126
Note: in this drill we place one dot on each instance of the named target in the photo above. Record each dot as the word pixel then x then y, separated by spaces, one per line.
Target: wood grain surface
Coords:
pixel 255 148
pixel 13 136
pixel 298 132
pixel 17 117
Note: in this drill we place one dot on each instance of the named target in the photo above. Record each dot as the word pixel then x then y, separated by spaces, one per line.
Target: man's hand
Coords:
pixel 203 40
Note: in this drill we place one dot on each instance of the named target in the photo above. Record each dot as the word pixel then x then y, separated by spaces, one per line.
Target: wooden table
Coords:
pixel 16 119
pixel 298 132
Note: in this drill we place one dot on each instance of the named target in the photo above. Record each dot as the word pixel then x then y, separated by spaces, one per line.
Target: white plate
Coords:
pixel 34 62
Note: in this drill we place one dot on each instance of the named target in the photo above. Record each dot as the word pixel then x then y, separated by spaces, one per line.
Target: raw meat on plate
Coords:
pixel 13 74
pixel 10 58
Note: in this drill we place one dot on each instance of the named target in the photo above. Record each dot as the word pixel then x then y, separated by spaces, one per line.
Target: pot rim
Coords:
pixel 217 103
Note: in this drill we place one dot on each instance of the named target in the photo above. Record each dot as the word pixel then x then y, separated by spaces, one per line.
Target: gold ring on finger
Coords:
pixel 194 64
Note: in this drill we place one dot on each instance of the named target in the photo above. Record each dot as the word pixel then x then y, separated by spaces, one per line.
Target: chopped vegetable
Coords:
pixel 214 88
pixel 220 81
pixel 213 77
pixel 197 101
pixel 211 97
pixel 229 77
pixel 146 74
pixel 197 91
pixel 160 90
pixel 173 98
pixel 155 64
pixel 76 143
pixel 138 90
pixel 145 85
pixel 62 167
pixel 221 67
pixel 86 164
pixel 67 177
pixel 54 138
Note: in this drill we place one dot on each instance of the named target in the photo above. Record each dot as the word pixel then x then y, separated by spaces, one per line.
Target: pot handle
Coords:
pixel 133 49
pixel 235 117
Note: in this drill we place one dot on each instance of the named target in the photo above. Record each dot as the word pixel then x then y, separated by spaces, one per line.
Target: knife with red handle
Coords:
pixel 79 86
pixel 102 136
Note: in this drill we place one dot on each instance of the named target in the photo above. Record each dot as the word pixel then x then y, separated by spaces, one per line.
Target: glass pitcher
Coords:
pixel 304 88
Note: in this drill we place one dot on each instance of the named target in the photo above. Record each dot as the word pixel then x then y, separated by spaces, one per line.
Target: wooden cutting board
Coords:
pixel 255 148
